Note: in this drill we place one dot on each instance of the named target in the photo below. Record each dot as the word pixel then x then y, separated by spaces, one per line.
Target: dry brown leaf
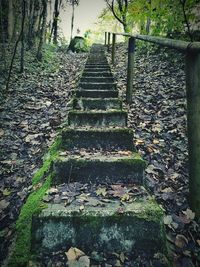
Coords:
pixel 74 254
pixel 1 132
pixel 125 152
pixel 181 241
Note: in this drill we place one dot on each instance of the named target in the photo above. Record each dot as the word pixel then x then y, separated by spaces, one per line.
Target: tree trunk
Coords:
pixel 72 20
pixel 43 30
pixel 55 23
pixel 148 25
pixel 10 20
pixel 22 36
pixel 2 38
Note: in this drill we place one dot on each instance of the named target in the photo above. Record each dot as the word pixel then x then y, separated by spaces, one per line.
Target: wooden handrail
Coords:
pixel 192 71
pixel 171 43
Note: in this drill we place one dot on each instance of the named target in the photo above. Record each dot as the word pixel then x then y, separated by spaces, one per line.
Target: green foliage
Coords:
pixel 166 15
pixel 78 44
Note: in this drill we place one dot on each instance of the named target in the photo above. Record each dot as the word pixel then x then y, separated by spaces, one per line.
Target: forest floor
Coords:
pixel 30 119
pixel 158 117
pixel 37 105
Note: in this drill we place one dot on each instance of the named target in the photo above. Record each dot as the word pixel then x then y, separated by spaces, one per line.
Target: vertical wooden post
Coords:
pixel 193 121
pixel 113 48
pixel 108 41
pixel 105 38
pixel 129 86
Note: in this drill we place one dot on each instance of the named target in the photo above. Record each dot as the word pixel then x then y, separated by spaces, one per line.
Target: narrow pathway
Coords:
pixel 112 212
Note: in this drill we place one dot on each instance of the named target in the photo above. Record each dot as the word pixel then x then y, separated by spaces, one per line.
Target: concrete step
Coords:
pixel 97 85
pixel 97 103
pixel 91 79
pixel 99 167
pixel 94 69
pixel 96 138
pixel 100 228
pixel 97 93
pixel 97 62
pixel 97 118
pixel 97 74
pixel 97 66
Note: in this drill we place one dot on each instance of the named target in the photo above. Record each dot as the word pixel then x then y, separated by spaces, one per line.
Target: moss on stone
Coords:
pixel 52 153
pixel 22 250
pixel 21 253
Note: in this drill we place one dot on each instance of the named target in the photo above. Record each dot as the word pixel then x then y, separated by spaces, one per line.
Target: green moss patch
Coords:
pixel 42 182
pixel 33 204
pixel 53 152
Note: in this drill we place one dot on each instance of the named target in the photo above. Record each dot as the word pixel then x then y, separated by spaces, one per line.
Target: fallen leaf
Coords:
pixel 181 241
pixel 2 132
pixel 168 219
pixel 125 152
pixel 82 207
pixel 156 141
pixel 139 142
pixel 122 257
pixel 74 254
pixel 101 191
pixel 118 190
pixel 125 197
pixel 190 214
pixel 6 192
pixel 4 204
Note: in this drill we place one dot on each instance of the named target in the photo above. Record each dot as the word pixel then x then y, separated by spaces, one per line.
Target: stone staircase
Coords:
pixel 97 158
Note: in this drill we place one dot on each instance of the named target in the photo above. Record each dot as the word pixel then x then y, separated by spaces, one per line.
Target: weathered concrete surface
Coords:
pixel 106 139
pixel 99 168
pixel 96 93
pixel 100 228
pixel 98 85
pixel 97 103
pixel 97 118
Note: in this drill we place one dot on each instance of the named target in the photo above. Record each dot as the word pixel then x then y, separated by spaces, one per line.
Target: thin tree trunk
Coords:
pixel 55 23
pixel 14 54
pixel 72 20
pixel 183 3
pixel 43 30
pixel 2 39
pixel 10 20
pixel 22 36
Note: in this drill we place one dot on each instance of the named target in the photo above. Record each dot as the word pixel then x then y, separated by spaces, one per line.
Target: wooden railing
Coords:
pixel 192 71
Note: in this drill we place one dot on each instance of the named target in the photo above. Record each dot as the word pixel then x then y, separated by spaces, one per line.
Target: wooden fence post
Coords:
pixel 105 38
pixel 108 41
pixel 129 87
pixel 193 123
pixel 113 48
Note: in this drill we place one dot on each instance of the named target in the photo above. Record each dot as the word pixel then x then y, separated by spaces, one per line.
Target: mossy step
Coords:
pixel 97 93
pixel 97 74
pixel 97 118
pixel 97 85
pixel 97 103
pixel 91 79
pixel 97 66
pixel 99 169
pixel 96 62
pixel 107 139
pixel 100 228
pixel 94 69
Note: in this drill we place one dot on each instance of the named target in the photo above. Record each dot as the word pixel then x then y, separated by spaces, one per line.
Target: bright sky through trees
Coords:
pixel 86 15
